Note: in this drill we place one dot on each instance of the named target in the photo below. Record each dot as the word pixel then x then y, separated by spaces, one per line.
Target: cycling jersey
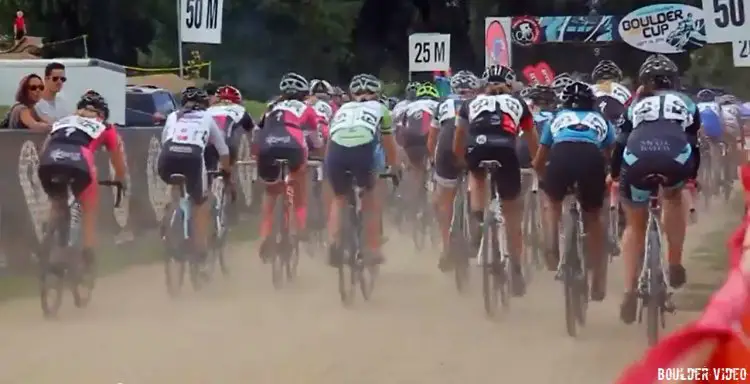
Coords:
pixel 612 99
pixel 193 129
pixel 357 123
pixel 710 119
pixel 498 114
pixel 578 126
pixel 446 167
pixel 664 107
pixel 418 117
pixel 229 116
pixel 730 116
pixel 325 111
pixel 84 131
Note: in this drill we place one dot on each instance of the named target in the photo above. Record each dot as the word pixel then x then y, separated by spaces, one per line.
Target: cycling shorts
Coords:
pixel 279 143
pixel 63 164
pixel 711 124
pixel 580 165
pixel 347 165
pixel 502 148
pixel 186 160
pixel 446 166
pixel 656 155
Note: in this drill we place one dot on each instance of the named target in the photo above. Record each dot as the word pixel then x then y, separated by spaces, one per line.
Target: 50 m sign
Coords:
pixel 201 21
pixel 429 52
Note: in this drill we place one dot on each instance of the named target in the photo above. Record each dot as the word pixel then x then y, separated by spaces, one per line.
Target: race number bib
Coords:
pixel 355 117
pixel 570 120
pixel 620 93
pixel 597 124
pixel 481 105
pixel 70 124
pixel 191 132
pixel 668 107
pixel 511 107
pixel 447 111
pixel 297 108
pixel 323 109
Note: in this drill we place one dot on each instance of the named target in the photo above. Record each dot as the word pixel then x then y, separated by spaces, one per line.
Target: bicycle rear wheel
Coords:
pixel 571 269
pixel 492 286
pixel 348 267
pixel 174 241
pixel 656 290
pixel 51 279
pixel 220 234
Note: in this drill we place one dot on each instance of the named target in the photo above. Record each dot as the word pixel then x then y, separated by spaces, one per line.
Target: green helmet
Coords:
pixel 427 90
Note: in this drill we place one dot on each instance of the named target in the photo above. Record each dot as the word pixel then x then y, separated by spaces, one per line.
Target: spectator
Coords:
pixel 19 26
pixel 52 106
pixel 211 89
pixel 22 114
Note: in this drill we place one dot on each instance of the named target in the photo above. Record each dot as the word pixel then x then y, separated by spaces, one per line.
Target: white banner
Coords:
pixel 429 52
pixel 201 21
pixel 726 20
pixel 498 49
pixel 741 53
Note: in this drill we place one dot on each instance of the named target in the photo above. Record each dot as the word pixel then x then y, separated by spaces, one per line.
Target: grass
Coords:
pixel 112 259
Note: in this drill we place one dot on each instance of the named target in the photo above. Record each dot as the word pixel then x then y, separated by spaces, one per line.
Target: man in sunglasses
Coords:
pixel 52 106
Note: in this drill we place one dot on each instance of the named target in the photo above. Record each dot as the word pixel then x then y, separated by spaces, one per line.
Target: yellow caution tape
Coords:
pixel 167 69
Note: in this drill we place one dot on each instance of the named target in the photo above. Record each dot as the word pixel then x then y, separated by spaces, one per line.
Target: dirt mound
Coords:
pixel 168 81
pixel 27 48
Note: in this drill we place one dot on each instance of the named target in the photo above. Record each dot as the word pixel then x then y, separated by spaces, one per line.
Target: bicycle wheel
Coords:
pixel 418 230
pixel 491 285
pixel 348 267
pixel 570 269
pixel 173 235
pixel 656 290
pixel 281 237
pixel 220 234
pixel 51 280
pixel 81 282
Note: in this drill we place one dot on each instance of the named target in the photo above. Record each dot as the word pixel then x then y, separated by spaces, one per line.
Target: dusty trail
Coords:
pixel 417 330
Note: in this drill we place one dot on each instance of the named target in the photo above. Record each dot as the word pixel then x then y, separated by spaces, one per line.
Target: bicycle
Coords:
pixel 176 234
pixel 353 268
pixel 725 177
pixel 573 269
pixel 421 214
pixel 317 215
pixel 652 281
pixel 532 226
pixel 219 228
pixel 493 249
pixel 459 248
pixel 615 225
pixel 60 258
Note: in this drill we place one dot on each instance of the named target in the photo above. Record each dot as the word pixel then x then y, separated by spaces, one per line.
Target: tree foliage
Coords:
pixel 333 39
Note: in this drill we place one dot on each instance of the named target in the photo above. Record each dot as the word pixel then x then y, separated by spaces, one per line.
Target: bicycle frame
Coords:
pixel 653 228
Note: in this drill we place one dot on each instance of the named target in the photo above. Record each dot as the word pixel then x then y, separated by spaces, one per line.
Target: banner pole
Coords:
pixel 179 39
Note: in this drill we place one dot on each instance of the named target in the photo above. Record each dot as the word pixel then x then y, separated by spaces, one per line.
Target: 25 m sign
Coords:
pixel 429 52
pixel 201 21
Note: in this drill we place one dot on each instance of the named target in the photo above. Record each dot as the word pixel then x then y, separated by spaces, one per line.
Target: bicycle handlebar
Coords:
pixel 119 189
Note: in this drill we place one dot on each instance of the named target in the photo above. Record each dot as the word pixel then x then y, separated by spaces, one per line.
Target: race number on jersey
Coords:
pixel 571 120
pixel 506 104
pixel 665 107
pixel 93 128
pixel 446 111
pixel 233 111
pixel 356 116
pixel 323 109
pixel 296 107
pixel 190 129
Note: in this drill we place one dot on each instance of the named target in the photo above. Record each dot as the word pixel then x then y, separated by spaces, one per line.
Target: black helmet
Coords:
pixel 577 95
pixel 543 93
pixel 392 101
pixel 95 100
pixel 660 71
pixel 606 70
pixel 498 74
pixel 706 95
pixel 197 96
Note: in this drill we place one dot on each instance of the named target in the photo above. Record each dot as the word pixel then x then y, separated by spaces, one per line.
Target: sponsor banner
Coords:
pixel 530 30
pixel 25 205
pixel 497 41
pixel 664 28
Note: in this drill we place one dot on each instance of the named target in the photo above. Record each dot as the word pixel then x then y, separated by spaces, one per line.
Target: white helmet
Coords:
pixel 320 86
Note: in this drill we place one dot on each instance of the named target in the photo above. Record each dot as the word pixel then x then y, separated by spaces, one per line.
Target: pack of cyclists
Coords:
pixel 576 135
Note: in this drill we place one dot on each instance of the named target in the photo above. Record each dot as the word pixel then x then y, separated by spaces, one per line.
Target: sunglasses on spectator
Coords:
pixel 59 78
pixel 36 87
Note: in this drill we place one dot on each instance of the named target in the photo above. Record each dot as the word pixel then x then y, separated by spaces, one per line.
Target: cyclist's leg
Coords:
pixel 508 185
pixel 380 187
pixel 198 189
pixel 446 175
pixel 336 167
pixel 477 184
pixel 417 155
pixel 635 206
pixel 298 176
pixel 591 177
pixel 363 170
pixel 269 173
pixel 675 222
pixel 559 177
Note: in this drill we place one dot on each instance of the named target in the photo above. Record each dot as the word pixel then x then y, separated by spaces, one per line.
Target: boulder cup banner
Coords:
pixel 497 42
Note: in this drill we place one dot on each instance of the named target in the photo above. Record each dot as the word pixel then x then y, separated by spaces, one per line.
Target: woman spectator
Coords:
pixel 22 115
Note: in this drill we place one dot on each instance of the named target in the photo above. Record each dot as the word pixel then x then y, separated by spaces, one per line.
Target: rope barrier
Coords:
pixel 53 43
pixel 168 69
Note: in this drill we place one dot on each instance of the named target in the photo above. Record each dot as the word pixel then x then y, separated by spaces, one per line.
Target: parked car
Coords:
pixel 147 105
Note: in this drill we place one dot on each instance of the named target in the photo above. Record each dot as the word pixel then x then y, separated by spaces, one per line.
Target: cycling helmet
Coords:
pixel 561 81
pixel 606 70
pixel 412 86
pixel 320 86
pixel 543 93
pixel 659 70
pixel 197 96
pixel 577 95
pixel 96 101
pixel 364 83
pixel 229 93
pixel 706 95
pixel 527 93
pixel 498 74
pixel 292 84
pixel 428 90
pixel 464 80
pixel 728 99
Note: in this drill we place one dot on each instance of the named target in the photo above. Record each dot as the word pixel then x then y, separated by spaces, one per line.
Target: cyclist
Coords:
pixel 392 102
pixel 320 99
pixel 492 121
pixel 357 129
pixel 561 81
pixel 464 85
pixel 413 135
pixel 657 141
pixel 286 131
pixel 729 106
pixel 612 98
pixel 187 134
pixel 228 113
pixel 576 145
pixel 69 151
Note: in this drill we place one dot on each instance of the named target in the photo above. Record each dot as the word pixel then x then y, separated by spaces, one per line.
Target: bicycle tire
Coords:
pixel 280 235
pixel 490 284
pixel 292 263
pixel 221 235
pixel 175 245
pixel 418 231
pixel 569 272
pixel 347 268
pixel 655 292
pixel 80 283
pixel 51 283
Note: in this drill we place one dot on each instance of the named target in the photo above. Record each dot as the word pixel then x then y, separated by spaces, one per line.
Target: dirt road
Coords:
pixel 417 330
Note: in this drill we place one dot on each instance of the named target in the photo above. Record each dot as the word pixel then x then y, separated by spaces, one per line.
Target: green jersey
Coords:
pixel 359 122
